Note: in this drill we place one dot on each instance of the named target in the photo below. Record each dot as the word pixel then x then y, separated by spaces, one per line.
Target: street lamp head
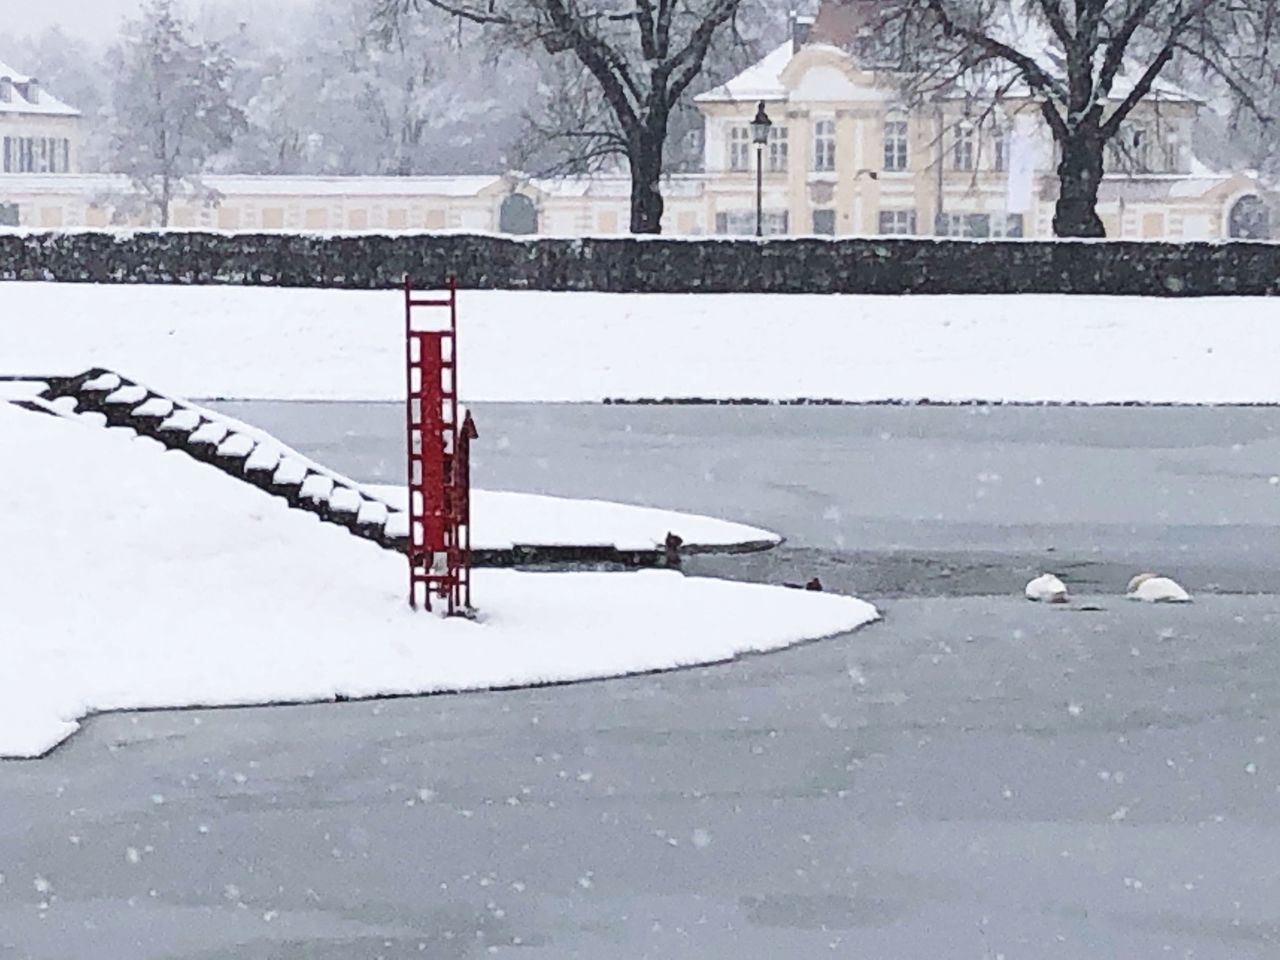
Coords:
pixel 760 126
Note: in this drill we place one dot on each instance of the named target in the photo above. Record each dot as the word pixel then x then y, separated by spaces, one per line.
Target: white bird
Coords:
pixel 1149 588
pixel 1047 588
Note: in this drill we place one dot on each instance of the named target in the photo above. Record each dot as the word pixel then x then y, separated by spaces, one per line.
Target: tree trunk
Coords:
pixel 645 155
pixel 1079 174
pixel 166 199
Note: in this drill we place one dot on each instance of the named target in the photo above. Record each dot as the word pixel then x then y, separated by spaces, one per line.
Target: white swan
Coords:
pixel 1047 588
pixel 1149 588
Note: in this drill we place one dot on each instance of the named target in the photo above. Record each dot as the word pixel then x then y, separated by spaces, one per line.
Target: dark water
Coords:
pixel 887 500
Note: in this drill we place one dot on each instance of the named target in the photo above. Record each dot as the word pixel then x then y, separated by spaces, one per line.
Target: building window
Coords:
pixel 1010 225
pixel 1249 219
pixel 1171 152
pixel 742 223
pixel 36 155
pixel 962 147
pixel 1000 149
pixel 824 145
pixel 824 222
pixel 777 149
pixel 1129 151
pixel 1140 141
pixel 964 225
pixel 895 144
pixel 980 225
pixel 898 222
pixel 739 149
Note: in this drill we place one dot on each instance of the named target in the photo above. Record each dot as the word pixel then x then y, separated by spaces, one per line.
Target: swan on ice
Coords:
pixel 1153 589
pixel 1047 588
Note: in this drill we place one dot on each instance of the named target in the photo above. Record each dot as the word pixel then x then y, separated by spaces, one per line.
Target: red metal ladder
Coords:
pixel 437 447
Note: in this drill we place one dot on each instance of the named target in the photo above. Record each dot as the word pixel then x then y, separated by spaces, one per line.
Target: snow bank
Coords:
pixel 134 577
pixel 501 519
pixel 527 346
pixel 20 389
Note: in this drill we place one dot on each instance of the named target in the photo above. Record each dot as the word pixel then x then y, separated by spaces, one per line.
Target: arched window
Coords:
pixel 1249 219
pixel 518 214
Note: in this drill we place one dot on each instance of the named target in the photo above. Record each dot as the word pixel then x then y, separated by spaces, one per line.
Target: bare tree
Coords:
pixel 643 57
pixel 1089 63
pixel 172 105
pixel 563 127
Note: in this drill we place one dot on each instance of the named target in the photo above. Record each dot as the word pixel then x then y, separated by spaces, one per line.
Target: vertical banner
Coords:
pixel 1022 167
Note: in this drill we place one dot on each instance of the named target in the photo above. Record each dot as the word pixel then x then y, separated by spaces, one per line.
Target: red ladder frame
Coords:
pixel 438 473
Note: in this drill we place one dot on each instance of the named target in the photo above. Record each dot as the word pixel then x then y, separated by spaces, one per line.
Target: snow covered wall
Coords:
pixel 367 261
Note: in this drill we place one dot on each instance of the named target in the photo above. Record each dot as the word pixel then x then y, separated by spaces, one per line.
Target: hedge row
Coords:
pixel 809 265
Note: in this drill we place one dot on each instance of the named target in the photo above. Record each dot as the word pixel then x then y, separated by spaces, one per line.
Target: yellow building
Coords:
pixel 847 156
pixel 509 203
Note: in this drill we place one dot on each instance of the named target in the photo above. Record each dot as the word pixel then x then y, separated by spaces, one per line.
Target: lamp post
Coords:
pixel 760 136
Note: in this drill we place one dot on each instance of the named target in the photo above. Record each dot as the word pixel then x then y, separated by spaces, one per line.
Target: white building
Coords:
pixel 38 132
pixel 39 135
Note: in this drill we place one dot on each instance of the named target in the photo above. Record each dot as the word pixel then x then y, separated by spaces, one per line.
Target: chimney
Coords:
pixel 33 90
pixel 6 89
pixel 801 27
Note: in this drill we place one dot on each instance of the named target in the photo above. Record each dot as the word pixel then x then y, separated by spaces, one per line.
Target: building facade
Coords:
pixel 38 132
pixel 845 157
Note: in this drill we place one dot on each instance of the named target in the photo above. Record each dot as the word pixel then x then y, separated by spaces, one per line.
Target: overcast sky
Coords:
pixel 91 19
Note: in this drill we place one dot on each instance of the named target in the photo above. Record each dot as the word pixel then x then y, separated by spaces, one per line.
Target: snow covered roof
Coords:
pixel 761 81
pixel 271 186
pixel 26 99
pixel 1161 89
pixel 287 188
pixel 1152 187
pixel 682 185
pixel 268 186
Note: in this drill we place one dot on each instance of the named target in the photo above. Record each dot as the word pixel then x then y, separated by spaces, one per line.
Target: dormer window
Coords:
pixel 32 91
pixel 6 89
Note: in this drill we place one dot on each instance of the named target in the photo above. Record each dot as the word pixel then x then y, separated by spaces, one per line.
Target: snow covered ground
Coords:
pixel 132 577
pixel 500 519
pixel 525 346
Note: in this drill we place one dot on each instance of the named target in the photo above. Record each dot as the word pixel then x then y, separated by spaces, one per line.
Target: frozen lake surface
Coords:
pixel 974 777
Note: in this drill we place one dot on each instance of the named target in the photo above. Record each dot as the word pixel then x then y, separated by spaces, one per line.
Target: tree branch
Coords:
pixel 1057 22
pixel 1031 71
pixel 644 20
pixel 1140 90
pixel 678 72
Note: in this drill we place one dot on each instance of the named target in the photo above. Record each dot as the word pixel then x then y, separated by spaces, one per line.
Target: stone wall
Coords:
pixel 884 266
